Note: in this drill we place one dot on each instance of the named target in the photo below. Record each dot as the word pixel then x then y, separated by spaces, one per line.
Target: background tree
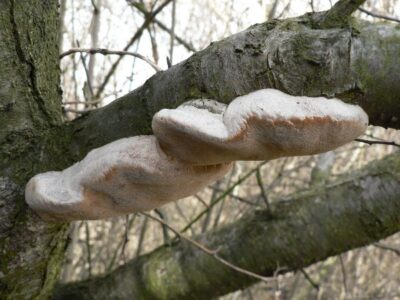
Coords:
pixel 316 54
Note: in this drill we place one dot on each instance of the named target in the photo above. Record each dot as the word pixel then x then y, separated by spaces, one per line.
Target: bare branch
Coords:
pixel 386 247
pixel 369 142
pixel 162 214
pixel 173 16
pixel 111 52
pixel 226 192
pixel 375 15
pixel 77 111
pixel 344 276
pixel 188 81
pixel 338 15
pixel 88 248
pixel 88 77
pixel 272 10
pixel 141 237
pixel 180 40
pixel 262 190
pixel 213 253
pixel 241 199
pixel 136 36
pixel 81 102
pixel 201 200
pixel 310 280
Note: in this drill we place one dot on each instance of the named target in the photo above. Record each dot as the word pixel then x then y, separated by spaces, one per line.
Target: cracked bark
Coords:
pixel 30 250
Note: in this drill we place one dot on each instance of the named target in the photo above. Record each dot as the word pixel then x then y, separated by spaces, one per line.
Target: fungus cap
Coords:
pixel 125 176
pixel 192 146
pixel 262 125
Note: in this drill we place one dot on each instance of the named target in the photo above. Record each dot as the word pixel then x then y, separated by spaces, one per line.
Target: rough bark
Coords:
pixel 313 225
pixel 359 64
pixel 30 250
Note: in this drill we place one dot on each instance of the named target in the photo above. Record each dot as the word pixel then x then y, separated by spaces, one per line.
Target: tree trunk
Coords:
pixel 30 106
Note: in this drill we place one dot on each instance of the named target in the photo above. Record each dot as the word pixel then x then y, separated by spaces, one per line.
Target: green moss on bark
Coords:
pixel 354 211
pixel 30 111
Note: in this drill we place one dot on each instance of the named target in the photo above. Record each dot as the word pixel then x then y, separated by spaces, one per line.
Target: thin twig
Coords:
pixel 81 102
pixel 88 80
pixel 312 6
pixel 221 207
pixel 375 15
pixel 77 111
pixel 94 37
pixel 153 41
pixel 88 248
pixel 111 52
pixel 95 8
pixel 222 196
pixel 387 247
pixel 180 40
pixel 262 190
pixel 128 225
pixel 241 199
pixel 369 142
pixel 211 252
pixel 171 48
pixel 207 217
pixel 201 200
pixel 285 9
pixel 141 237
pixel 183 215
pixel 272 11
pixel 161 213
pixel 137 35
pixel 343 274
pixel 310 280
pixel 278 291
pixel 122 245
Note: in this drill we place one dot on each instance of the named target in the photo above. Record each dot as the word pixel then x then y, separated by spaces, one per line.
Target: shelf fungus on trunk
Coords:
pixel 192 146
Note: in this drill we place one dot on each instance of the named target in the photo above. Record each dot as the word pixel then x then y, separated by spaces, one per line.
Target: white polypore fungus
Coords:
pixel 262 125
pixel 192 146
pixel 125 176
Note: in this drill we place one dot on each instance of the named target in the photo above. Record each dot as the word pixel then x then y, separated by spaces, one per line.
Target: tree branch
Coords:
pixel 358 67
pixel 107 52
pixel 180 40
pixel 389 248
pixel 134 38
pixel 357 210
pixel 339 14
pixel 380 16
pixel 211 252
pixel 370 142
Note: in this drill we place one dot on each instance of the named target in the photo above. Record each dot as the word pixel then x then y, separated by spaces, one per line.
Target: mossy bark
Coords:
pixel 358 63
pixel 354 211
pixel 31 251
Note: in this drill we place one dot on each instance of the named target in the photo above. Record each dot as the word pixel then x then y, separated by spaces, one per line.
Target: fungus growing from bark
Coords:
pixel 192 146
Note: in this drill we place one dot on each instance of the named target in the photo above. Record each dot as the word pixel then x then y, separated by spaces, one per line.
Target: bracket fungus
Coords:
pixel 192 146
